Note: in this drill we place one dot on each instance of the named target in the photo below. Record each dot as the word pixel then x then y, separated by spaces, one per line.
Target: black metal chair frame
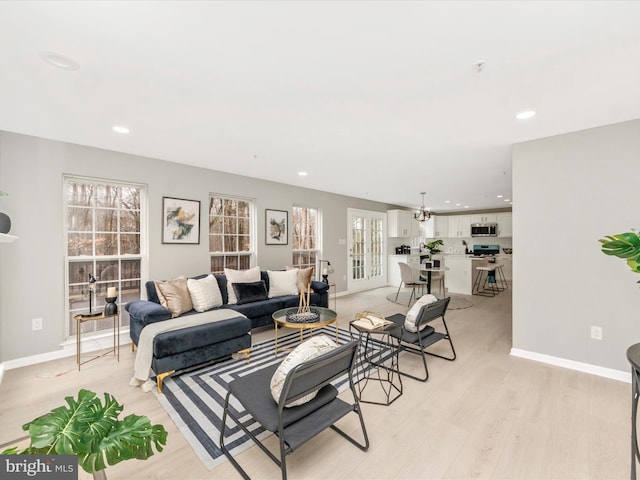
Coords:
pixel 296 425
pixel 418 342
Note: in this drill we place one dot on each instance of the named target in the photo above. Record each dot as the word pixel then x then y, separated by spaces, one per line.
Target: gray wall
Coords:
pixel 569 191
pixel 32 268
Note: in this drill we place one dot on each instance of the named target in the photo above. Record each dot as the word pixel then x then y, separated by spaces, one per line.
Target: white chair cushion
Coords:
pixel 412 314
pixel 283 282
pixel 312 348
pixel 240 276
pixel 205 293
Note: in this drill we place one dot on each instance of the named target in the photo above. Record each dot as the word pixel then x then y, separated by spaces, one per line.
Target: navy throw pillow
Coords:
pixel 250 292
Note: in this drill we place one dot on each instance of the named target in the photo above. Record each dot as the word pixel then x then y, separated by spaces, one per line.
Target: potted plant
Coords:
pixel 624 245
pixel 434 246
pixel 91 430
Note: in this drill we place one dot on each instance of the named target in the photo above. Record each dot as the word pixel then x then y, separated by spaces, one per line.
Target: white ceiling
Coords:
pixel 379 100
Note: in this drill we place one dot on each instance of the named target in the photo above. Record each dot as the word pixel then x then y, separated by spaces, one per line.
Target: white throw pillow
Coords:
pixel 312 348
pixel 240 276
pixel 205 293
pixel 412 314
pixel 283 282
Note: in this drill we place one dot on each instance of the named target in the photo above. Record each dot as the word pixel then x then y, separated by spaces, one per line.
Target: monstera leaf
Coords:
pixel 91 429
pixel 625 246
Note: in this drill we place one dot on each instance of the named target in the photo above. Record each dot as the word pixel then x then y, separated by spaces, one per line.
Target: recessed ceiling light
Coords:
pixel 499 196
pixel 507 200
pixel 302 174
pixel 120 129
pixel 59 61
pixel 466 206
pixel 458 204
pixel 447 201
pixel 526 114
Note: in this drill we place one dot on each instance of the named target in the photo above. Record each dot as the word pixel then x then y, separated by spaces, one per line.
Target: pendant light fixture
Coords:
pixel 423 214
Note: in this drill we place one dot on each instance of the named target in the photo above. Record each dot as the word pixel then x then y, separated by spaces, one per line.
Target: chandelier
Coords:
pixel 423 214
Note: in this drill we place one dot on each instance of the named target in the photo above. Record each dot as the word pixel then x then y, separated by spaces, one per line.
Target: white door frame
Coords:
pixel 367 282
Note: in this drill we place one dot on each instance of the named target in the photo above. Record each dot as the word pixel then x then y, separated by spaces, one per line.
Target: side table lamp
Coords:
pixel 91 292
pixel 326 270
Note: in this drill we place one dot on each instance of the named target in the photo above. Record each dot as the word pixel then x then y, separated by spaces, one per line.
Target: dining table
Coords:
pixel 428 270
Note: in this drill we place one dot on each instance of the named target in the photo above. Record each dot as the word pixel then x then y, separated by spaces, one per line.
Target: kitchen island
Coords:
pixel 462 272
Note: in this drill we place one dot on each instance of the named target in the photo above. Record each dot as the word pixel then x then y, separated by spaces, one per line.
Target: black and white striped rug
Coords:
pixel 194 400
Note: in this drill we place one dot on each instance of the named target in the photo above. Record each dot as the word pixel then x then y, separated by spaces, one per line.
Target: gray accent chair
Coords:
pixel 295 425
pixel 417 343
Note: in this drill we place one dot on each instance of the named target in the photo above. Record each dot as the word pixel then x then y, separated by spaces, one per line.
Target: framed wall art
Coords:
pixel 276 227
pixel 180 220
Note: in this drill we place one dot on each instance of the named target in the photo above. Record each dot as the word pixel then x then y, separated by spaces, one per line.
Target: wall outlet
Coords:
pixel 36 324
pixel 596 333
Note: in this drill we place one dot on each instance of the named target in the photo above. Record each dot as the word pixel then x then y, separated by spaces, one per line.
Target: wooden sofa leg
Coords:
pixel 160 377
pixel 247 354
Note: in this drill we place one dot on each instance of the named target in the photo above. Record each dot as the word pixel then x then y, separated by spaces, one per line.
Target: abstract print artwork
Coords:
pixel 180 220
pixel 276 227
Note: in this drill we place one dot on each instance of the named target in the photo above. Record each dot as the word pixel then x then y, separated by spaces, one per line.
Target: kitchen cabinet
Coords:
pixel 505 226
pixel 401 223
pixel 393 270
pixel 483 218
pixel 459 226
pixel 441 226
pixel 436 227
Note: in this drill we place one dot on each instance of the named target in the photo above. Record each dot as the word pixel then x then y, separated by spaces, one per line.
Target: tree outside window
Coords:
pixel 230 233
pixel 104 239
pixel 305 233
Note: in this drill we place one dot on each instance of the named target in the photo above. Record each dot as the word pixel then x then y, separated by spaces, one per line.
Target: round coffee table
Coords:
pixel 327 317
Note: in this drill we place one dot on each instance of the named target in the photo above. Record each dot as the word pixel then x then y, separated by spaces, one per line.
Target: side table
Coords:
pixel 378 362
pixel 633 355
pixel 335 302
pixel 80 319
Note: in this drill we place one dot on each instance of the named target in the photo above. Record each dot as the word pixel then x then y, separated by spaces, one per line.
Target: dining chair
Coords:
pixel 409 279
pixel 438 277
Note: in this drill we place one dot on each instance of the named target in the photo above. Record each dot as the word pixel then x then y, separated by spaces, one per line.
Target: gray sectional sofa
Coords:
pixel 188 347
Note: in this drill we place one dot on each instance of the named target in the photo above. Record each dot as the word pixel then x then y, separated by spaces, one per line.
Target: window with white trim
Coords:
pixel 104 229
pixel 305 230
pixel 231 233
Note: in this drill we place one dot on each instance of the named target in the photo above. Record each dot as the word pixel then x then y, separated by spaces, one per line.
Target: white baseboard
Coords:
pixel 573 365
pixel 68 349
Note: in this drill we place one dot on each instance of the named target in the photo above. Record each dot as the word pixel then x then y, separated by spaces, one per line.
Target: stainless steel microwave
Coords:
pixel 484 229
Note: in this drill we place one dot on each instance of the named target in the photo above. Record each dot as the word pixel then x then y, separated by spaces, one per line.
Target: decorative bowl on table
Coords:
pixel 295 316
pixel 508 251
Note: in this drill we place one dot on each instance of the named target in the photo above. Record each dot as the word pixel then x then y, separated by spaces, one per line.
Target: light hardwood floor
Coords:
pixel 485 415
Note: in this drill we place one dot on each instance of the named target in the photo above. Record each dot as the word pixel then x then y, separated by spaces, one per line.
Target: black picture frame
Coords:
pixel 276 227
pixel 180 221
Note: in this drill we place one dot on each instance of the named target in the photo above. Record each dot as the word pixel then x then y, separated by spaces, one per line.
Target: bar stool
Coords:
pixel 633 355
pixel 501 280
pixel 485 275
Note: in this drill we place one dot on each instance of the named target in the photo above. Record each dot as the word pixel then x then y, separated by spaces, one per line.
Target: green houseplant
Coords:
pixel 90 429
pixel 434 247
pixel 624 245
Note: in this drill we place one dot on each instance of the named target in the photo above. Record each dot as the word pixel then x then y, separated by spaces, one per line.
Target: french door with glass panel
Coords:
pixel 367 250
